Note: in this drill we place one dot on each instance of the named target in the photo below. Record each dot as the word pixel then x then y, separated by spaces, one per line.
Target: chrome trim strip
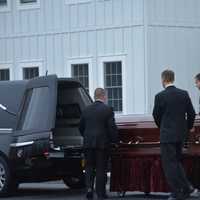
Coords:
pixel 6 129
pixel 21 144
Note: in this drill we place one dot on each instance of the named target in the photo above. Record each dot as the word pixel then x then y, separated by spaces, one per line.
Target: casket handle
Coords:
pixel 197 139
pixel 137 140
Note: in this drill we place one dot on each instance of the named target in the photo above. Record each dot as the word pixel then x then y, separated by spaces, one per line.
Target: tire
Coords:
pixel 75 182
pixel 6 183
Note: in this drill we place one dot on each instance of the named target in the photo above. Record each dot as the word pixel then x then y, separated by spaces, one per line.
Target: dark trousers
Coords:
pixel 96 165
pixel 171 155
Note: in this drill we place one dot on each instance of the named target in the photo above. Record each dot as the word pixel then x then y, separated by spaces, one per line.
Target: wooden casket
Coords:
pixel 136 164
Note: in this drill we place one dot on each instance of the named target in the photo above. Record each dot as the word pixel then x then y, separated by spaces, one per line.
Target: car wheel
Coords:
pixel 75 182
pixel 5 178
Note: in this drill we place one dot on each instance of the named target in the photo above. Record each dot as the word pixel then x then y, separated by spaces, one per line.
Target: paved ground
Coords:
pixel 58 191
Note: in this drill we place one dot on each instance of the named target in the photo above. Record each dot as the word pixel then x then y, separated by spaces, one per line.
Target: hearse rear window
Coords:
pixel 35 109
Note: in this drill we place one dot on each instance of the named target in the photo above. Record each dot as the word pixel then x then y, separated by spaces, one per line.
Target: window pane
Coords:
pixel 113 84
pixel 80 73
pixel 31 72
pixel 119 69
pixel 114 68
pixel 108 81
pixel 28 1
pixel 4 74
pixel 3 2
pixel 75 70
pixel 108 68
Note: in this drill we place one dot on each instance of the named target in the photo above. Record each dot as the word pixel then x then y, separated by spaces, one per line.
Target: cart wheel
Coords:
pixel 121 194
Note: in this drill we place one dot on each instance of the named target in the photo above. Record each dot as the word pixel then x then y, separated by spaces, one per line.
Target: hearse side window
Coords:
pixel 34 112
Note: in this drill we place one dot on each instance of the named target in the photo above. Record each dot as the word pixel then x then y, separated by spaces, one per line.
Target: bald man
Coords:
pixel 99 131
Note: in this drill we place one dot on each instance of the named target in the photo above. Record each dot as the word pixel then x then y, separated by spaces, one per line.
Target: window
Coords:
pixel 30 72
pixel 113 84
pixel 4 74
pixel 28 4
pixel 80 73
pixel 4 5
pixel 28 1
pixel 3 2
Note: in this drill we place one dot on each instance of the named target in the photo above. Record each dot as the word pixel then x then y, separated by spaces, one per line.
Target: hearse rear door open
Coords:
pixel 36 118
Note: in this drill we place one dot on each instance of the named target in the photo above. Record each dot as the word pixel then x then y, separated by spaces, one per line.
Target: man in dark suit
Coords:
pixel 174 115
pixel 197 81
pixel 99 131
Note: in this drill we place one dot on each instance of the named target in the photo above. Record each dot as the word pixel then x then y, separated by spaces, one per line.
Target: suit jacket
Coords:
pixel 174 114
pixel 97 126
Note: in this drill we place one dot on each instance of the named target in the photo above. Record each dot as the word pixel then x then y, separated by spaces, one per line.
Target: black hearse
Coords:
pixel 39 136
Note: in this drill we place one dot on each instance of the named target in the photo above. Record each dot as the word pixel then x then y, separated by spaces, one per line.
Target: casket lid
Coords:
pixel 141 121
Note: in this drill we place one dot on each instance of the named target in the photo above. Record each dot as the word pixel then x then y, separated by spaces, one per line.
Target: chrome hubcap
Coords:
pixel 2 177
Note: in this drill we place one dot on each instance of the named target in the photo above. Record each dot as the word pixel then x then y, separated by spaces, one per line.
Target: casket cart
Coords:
pixel 136 164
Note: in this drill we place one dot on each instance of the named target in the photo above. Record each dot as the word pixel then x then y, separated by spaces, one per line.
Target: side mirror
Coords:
pixel 4 108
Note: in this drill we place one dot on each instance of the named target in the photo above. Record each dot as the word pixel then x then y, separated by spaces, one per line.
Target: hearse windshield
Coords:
pixel 34 111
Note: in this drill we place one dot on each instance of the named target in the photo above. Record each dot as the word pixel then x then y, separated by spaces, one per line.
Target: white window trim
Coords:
pixel 69 2
pixel 88 61
pixel 27 6
pixel 21 66
pixel 6 8
pixel 101 80
pixel 8 66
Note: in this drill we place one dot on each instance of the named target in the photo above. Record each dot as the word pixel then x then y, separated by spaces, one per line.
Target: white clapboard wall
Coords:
pixel 146 35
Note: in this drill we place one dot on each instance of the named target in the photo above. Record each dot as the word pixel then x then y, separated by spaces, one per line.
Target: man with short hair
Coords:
pixel 99 131
pixel 197 81
pixel 174 115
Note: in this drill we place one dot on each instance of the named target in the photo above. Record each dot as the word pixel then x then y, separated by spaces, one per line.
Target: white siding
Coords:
pixel 173 41
pixel 147 34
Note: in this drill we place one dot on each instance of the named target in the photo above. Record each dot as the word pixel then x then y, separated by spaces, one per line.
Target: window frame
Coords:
pixel 8 66
pixel 78 61
pixel 30 65
pixel 114 84
pixel 6 8
pixel 27 6
pixel 71 2
pixel 101 70
pixel 82 64
pixel 26 68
